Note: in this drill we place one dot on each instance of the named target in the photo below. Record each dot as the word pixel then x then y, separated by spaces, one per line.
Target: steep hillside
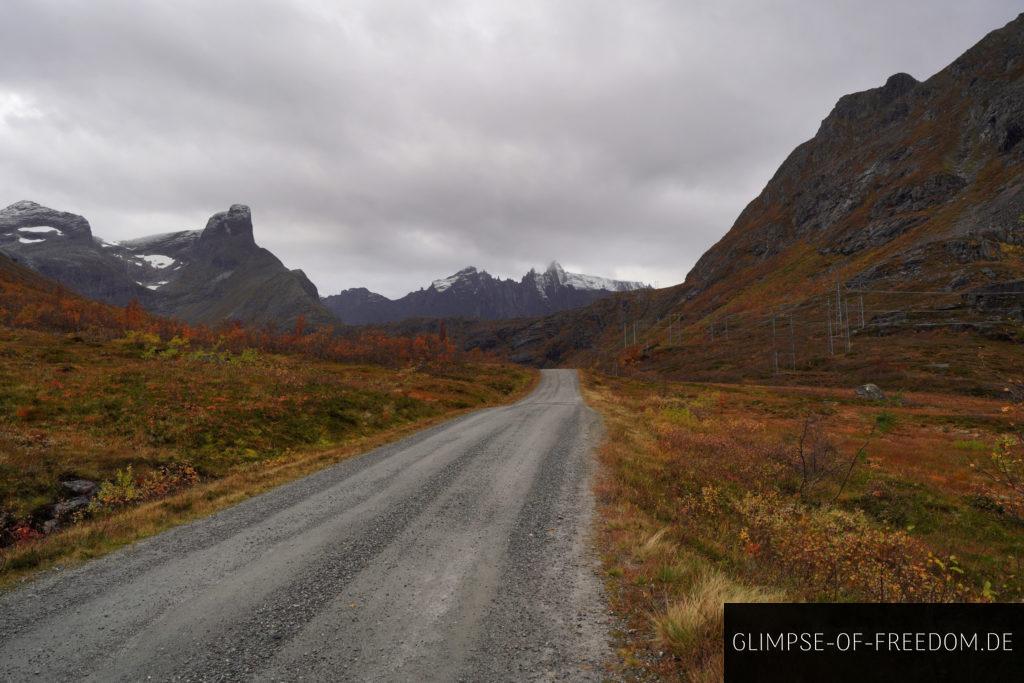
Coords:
pixel 910 184
pixel 201 276
pixel 476 294
pixel 29 300
pixel 890 243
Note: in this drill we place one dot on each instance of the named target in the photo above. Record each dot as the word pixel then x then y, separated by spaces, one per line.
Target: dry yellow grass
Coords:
pixel 692 626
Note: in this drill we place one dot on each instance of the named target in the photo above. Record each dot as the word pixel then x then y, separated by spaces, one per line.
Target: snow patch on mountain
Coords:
pixel 446 283
pixel 580 281
pixel 156 260
pixel 42 229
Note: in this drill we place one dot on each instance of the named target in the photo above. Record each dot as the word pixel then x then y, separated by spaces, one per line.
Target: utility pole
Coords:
pixel 792 342
pixel 839 310
pixel 846 312
pixel 775 352
pixel 624 344
pixel 828 319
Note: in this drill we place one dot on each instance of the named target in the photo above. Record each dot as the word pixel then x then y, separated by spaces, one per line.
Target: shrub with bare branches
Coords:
pixel 815 462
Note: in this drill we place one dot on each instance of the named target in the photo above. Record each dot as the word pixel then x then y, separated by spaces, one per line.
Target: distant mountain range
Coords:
pixel 200 276
pixel 476 294
pixel 220 274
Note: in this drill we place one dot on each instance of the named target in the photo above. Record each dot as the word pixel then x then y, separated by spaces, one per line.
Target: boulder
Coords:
pixel 66 507
pixel 79 487
pixel 870 392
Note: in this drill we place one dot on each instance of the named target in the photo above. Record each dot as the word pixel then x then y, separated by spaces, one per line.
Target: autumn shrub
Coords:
pixel 813 465
pixel 681 416
pixel 127 488
pixel 143 343
pixel 121 490
pixel 167 480
pixel 837 555
pixel 1004 469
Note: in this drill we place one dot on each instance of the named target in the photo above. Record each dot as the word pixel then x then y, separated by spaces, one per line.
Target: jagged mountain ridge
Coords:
pixel 476 294
pixel 905 187
pixel 200 276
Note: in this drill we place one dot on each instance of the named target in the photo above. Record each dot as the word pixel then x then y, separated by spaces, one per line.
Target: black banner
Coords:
pixel 871 642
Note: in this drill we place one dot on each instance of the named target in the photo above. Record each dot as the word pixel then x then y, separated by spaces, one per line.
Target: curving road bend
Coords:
pixel 459 553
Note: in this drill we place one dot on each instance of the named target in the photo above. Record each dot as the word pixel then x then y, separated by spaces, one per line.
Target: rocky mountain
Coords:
pixel 61 246
pixel 472 293
pixel 910 182
pixel 909 200
pixel 201 276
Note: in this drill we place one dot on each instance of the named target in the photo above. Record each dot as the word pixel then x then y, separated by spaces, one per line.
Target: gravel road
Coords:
pixel 459 553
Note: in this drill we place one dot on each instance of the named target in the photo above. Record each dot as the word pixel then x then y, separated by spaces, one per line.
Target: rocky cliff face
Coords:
pixel 60 246
pixel 476 294
pixel 912 183
pixel 31 220
pixel 201 276
pixel 227 276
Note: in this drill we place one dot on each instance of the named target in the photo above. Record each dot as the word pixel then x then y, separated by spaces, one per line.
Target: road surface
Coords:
pixel 459 553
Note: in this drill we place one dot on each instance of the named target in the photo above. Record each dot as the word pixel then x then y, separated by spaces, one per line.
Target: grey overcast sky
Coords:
pixel 385 143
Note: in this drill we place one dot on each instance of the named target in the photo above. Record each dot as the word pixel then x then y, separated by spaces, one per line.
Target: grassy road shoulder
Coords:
pixel 705 496
pixel 173 435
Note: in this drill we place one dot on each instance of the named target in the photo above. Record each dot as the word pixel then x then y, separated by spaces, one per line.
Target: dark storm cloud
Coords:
pixel 386 143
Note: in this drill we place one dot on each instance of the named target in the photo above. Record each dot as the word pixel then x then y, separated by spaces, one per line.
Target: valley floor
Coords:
pixel 170 433
pixel 460 553
pixel 704 498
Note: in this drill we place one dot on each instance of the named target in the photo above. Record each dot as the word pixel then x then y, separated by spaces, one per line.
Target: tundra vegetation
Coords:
pixel 173 422
pixel 715 493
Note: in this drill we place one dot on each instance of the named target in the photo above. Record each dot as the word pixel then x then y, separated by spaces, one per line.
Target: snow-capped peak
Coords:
pixel 555 268
pixel 556 272
pixel 446 283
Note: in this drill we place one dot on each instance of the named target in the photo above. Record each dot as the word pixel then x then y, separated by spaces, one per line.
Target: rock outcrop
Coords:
pixel 61 246
pixel 201 276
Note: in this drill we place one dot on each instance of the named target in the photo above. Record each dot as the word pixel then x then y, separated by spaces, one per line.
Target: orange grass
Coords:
pixel 696 508
pixel 72 408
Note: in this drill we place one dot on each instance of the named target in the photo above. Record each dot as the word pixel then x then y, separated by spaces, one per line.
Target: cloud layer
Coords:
pixel 384 143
